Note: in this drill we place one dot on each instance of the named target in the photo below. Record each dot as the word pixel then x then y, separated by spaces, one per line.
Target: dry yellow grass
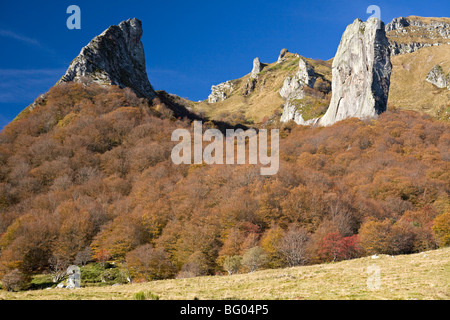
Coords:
pixel 409 90
pixel 419 276
pixel 265 98
pixel 418 34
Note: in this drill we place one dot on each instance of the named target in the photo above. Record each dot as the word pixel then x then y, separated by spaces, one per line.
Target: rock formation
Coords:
pixel 115 57
pixel 257 68
pixel 73 277
pixel 361 73
pixel 410 34
pixel 292 89
pixel 282 54
pixel 249 86
pixel 220 92
pixel 437 77
pixel 291 112
pixel 293 86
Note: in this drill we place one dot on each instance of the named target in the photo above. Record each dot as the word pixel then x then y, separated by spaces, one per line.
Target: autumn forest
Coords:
pixel 86 176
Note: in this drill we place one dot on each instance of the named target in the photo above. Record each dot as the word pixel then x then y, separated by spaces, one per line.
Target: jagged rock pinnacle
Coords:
pixel 257 67
pixel 115 57
pixel 361 73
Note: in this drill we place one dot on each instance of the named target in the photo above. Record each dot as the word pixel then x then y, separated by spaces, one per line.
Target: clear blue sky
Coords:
pixel 189 45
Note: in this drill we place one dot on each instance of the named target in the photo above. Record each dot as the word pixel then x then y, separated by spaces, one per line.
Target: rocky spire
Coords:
pixel 282 54
pixel 115 57
pixel 361 73
pixel 257 67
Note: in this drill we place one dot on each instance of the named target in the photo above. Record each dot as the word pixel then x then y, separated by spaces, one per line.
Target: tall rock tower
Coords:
pixel 361 73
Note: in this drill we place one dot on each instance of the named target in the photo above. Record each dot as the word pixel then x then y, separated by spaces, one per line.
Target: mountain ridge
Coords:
pixel 125 66
pixel 88 172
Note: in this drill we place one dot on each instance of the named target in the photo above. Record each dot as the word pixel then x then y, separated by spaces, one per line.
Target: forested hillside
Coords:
pixel 86 175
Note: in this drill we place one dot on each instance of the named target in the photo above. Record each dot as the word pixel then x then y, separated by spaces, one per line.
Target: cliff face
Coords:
pixel 115 57
pixel 410 34
pixel 361 73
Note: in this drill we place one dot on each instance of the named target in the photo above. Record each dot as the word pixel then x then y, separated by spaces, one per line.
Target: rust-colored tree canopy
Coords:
pixel 90 167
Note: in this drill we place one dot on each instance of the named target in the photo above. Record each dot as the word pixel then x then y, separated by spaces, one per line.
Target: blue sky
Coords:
pixel 189 45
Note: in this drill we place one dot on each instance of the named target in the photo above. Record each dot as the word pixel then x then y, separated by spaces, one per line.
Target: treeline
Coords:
pixel 87 176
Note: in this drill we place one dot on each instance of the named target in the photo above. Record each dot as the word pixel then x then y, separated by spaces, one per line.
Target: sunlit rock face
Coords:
pixel 115 57
pixel 361 73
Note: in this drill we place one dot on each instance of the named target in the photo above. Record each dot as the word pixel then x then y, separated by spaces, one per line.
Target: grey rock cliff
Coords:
pixel 293 89
pixel 220 92
pixel 115 57
pixel 290 112
pixel 401 48
pixel 293 86
pixel 361 73
pixel 435 26
pixel 306 73
pixel 427 33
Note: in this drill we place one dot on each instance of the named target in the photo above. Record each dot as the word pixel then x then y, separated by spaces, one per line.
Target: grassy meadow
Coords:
pixel 418 276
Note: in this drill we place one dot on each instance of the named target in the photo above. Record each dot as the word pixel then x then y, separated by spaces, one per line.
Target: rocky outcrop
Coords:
pixel 410 34
pixel 257 68
pixel 437 77
pixel 282 54
pixel 306 73
pixel 115 57
pixel 293 86
pixel 438 26
pixel 249 86
pixel 293 89
pixel 220 92
pixel 291 112
pixel 361 73
pixel 402 48
pixel 253 79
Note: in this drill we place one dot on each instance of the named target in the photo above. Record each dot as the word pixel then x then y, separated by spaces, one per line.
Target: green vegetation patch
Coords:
pixel 95 274
pixel 310 108
pixel 145 295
